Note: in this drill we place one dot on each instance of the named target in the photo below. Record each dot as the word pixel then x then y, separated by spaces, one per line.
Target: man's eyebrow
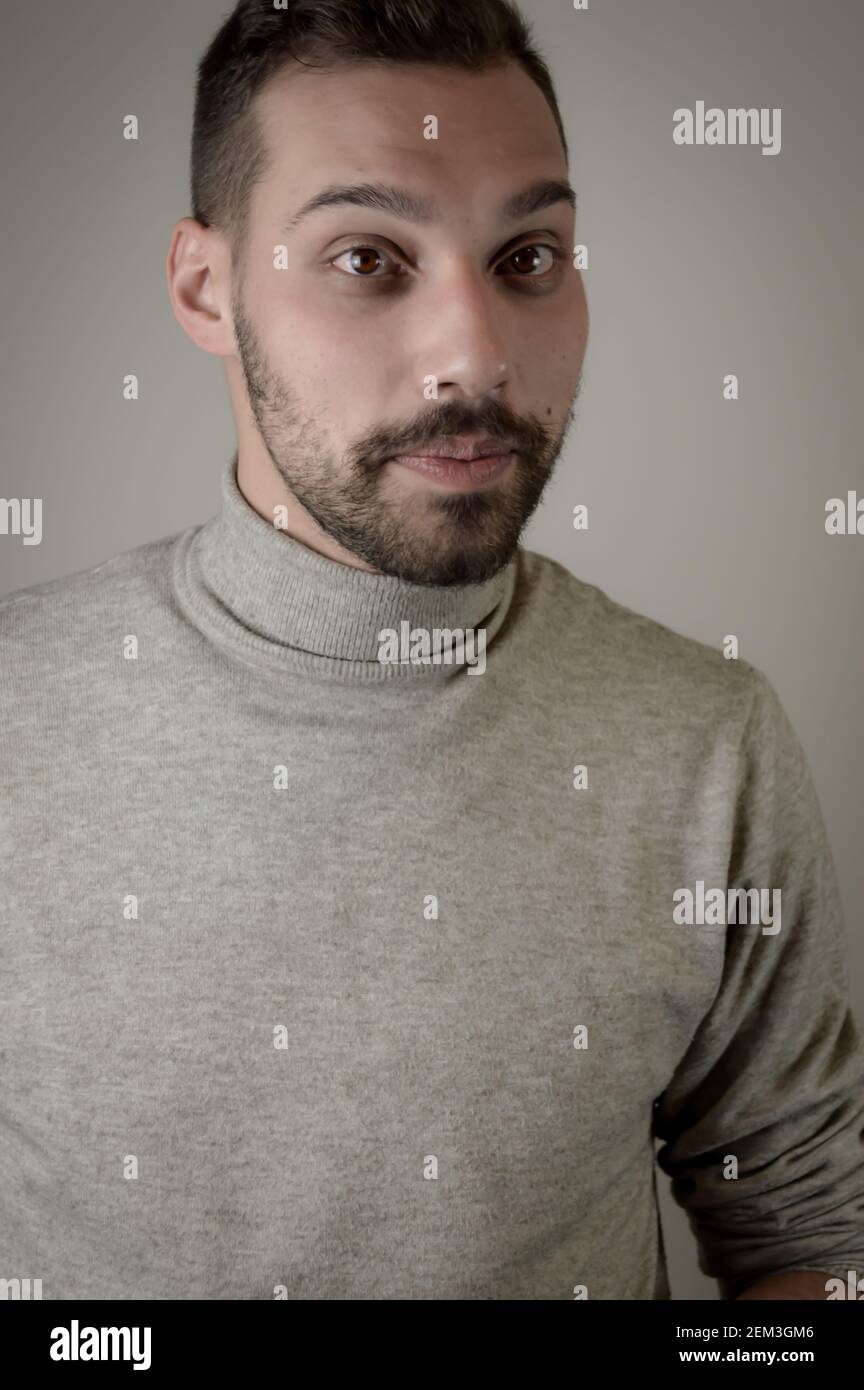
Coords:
pixel 539 196
pixel 400 202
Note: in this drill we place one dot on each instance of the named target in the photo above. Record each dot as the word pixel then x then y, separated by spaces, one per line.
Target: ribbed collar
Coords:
pixel 255 589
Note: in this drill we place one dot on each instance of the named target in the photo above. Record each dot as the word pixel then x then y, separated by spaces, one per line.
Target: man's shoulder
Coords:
pixel 61 623
pixel 631 659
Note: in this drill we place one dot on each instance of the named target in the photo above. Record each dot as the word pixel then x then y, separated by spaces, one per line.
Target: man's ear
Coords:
pixel 198 271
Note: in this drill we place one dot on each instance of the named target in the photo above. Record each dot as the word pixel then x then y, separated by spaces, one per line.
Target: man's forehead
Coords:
pixel 365 125
pixel 499 109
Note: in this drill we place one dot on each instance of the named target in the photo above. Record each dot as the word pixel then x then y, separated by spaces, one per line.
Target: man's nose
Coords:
pixel 468 351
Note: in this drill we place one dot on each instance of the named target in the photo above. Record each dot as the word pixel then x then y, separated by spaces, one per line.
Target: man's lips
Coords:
pixel 465 449
pixel 459 473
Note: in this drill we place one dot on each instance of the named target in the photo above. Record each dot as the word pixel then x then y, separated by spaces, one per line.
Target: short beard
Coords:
pixel 433 538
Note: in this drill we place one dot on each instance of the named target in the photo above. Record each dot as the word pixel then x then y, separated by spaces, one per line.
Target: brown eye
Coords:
pixel 525 260
pixel 364 261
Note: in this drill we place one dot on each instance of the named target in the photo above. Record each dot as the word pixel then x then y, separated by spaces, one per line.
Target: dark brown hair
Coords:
pixel 257 39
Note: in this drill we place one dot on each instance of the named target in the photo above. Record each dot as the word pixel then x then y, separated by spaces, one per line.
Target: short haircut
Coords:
pixel 228 150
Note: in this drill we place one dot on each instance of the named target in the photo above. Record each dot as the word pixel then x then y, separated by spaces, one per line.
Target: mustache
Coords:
pixel 450 421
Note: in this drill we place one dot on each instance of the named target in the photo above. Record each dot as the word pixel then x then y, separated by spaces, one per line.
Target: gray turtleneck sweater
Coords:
pixel 325 977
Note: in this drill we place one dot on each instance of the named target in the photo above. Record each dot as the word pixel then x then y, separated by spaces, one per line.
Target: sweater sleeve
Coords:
pixel 774 1074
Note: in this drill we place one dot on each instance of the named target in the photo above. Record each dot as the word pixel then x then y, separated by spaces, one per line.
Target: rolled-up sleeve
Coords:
pixel 774 1075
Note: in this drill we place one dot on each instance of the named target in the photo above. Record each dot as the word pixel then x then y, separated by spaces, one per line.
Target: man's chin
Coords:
pixel 463 544
pixel 435 538
pixel 450 568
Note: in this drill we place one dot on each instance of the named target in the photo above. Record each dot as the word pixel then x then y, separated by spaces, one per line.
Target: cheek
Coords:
pixel 550 367
pixel 341 376
pixel 330 341
pixel 556 357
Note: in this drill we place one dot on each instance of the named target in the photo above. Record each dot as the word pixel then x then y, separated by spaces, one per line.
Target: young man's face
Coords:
pixel 338 356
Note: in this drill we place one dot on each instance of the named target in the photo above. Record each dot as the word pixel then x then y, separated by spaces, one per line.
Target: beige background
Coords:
pixel 704 514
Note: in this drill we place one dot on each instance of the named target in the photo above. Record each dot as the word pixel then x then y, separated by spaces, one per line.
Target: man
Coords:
pixel 346 840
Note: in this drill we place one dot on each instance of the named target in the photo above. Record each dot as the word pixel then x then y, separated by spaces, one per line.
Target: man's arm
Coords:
pixel 793 1284
pixel 774 1075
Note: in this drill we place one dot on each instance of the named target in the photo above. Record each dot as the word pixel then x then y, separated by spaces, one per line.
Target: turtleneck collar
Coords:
pixel 253 588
